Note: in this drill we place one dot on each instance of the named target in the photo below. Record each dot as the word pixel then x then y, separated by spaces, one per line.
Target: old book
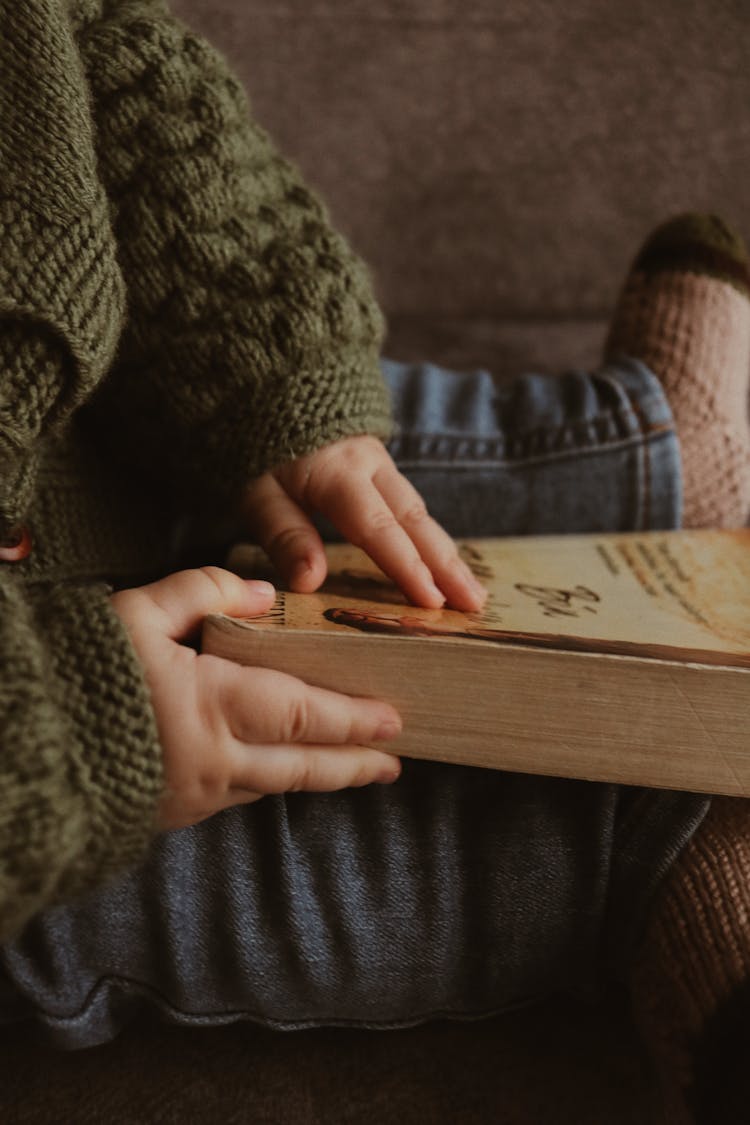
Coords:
pixel 620 658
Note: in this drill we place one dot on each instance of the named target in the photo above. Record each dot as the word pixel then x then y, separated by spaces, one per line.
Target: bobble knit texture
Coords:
pixel 252 335
pixel 176 316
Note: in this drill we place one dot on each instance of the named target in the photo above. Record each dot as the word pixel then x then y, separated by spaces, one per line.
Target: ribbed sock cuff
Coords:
pixel 695 243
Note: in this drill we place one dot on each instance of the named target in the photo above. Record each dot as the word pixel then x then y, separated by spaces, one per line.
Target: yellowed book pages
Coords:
pixel 611 657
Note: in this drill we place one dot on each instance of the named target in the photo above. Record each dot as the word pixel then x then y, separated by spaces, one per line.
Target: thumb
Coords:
pixel 188 596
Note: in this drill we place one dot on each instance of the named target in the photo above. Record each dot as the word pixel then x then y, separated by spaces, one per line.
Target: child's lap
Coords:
pixel 454 892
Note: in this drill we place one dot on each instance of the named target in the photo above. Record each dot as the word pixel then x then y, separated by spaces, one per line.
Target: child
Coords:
pixel 182 329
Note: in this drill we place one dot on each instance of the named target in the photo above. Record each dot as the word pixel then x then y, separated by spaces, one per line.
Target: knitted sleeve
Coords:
pixel 59 279
pixel 79 754
pixel 80 757
pixel 252 335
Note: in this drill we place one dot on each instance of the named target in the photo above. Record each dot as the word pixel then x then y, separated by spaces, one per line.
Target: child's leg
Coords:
pixel 685 310
pixel 455 891
pixel 540 454
pixel 691 979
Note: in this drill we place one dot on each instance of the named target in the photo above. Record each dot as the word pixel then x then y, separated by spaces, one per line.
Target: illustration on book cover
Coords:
pixel 675 594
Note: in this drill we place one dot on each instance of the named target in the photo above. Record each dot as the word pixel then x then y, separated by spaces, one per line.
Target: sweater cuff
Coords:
pixel 59 325
pixel 115 754
pixel 283 429
pixel 75 301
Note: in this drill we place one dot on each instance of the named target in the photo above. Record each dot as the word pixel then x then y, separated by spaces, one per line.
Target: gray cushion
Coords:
pixel 499 163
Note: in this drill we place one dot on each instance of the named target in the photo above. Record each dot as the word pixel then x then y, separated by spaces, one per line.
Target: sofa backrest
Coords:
pixel 499 163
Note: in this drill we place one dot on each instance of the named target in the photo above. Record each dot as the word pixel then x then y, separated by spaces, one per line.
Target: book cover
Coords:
pixel 679 595
pixel 617 657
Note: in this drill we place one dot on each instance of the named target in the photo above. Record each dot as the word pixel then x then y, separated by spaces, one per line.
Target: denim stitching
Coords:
pixel 643 514
pixel 581 429
pixel 657 434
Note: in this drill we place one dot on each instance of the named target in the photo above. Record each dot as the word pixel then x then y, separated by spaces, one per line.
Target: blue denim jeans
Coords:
pixel 455 892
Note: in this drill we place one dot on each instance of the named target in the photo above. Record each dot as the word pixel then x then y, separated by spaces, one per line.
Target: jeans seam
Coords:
pixel 655 433
pixel 645 490
pixel 523 438
pixel 624 412
pixel 644 512
pixel 147 990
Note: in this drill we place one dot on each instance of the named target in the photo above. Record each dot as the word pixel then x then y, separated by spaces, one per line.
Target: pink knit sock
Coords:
pixel 684 311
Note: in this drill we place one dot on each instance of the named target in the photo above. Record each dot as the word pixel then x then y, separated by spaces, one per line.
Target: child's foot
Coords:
pixel 685 312
pixel 690 982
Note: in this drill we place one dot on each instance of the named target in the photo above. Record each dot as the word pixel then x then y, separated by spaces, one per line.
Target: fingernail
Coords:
pixel 300 571
pixel 435 592
pixel 259 587
pixel 475 584
pixel 388 729
pixel 471 578
pixel 480 589
pixel 389 774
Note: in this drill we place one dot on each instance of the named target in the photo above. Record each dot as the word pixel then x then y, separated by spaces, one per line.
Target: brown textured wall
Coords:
pixel 499 165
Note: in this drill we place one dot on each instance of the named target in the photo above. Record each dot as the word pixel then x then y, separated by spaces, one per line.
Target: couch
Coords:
pixel 497 164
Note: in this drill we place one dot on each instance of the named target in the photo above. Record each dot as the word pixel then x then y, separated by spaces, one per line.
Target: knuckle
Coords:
pixel 416 513
pixel 382 521
pixel 447 555
pixel 296 474
pixel 198 791
pixel 304 779
pixel 307 469
pixel 134 607
pixel 210 782
pixel 258 502
pixel 313 776
pixel 216 576
pixel 320 479
pixel 363 775
pixel 286 540
pixel 124 601
pixel 206 792
pixel 297 719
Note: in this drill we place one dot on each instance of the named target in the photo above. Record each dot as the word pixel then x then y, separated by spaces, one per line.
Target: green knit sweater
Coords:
pixel 176 316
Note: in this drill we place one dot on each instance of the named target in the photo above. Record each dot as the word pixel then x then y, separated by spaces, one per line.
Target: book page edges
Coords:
pixel 558 643
pixel 598 717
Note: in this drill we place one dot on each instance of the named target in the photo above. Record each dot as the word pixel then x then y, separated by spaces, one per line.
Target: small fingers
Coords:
pixel 361 514
pixel 254 771
pixel 387 518
pixel 264 706
pixel 174 607
pixel 315 769
pixel 356 485
pixel 436 548
pixel 286 534
pixel 359 488
pixel 287 735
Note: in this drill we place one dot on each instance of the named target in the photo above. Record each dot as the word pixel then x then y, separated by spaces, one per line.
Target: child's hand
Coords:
pixel 356 485
pixel 231 734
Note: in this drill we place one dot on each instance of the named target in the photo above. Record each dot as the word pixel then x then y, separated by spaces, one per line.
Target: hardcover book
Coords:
pixel 608 657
